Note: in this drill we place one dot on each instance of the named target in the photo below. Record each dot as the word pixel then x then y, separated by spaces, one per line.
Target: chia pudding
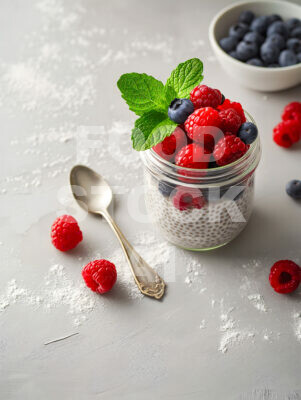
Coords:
pixel 214 225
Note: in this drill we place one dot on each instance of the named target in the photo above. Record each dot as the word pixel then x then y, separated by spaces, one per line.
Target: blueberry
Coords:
pixel 253 37
pixel 246 17
pixel 278 27
pixel 293 23
pixel 287 58
pixel 166 188
pixel 274 65
pixel 255 61
pixel 293 189
pixel 228 43
pixel 260 24
pixel 245 51
pixel 179 110
pixel 294 45
pixel 273 18
pixel 223 99
pixel 296 33
pixel 277 40
pixel 234 54
pixel 269 53
pixel 239 30
pixel 247 132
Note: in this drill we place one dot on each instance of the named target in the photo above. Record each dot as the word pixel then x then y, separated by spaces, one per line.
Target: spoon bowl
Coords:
pixel 90 189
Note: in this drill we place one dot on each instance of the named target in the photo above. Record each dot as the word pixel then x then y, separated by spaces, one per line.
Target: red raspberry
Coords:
pixel 186 198
pixel 204 96
pixel 168 148
pixel 286 133
pixel 229 149
pixel 65 233
pixel 192 156
pixel 203 126
pixel 285 276
pixel 230 121
pixel 295 106
pixel 100 275
pixel 292 111
pixel 236 106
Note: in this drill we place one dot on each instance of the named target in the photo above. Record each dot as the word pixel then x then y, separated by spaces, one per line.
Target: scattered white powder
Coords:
pixel 195 274
pixel 59 290
pixel 258 302
pixel 203 324
pixel 14 294
pixel 231 335
pixel 248 286
pixel 297 325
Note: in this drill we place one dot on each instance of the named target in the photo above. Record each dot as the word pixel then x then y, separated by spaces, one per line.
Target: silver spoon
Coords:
pixel 93 194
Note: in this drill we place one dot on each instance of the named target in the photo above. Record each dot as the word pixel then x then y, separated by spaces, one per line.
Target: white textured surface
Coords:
pixel 220 332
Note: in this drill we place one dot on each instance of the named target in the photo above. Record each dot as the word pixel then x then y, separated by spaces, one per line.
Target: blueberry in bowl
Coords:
pixel 267 57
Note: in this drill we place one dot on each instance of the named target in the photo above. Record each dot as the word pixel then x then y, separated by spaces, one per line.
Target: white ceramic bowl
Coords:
pixel 257 78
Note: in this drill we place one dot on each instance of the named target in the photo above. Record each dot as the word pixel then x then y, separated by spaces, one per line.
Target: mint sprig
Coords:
pixel 142 93
pixel 185 77
pixel 150 129
pixel 150 99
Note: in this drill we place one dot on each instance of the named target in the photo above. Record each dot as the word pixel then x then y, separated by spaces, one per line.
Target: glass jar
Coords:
pixel 221 199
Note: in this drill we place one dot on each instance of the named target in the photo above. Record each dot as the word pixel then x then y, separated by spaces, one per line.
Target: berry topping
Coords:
pixel 179 110
pixel 171 144
pixel 236 106
pixel 192 156
pixel 229 149
pixel 248 132
pixel 166 188
pixel 207 116
pixel 204 96
pixel 230 121
pixel 286 133
pixel 100 275
pixel 187 198
pixel 293 189
pixel 65 233
pixel 203 126
pixel 285 276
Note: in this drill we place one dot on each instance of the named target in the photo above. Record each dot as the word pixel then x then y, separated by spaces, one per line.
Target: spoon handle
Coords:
pixel 146 278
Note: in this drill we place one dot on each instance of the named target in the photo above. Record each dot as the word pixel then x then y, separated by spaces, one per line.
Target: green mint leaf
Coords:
pixel 142 93
pixel 185 77
pixel 150 129
pixel 170 94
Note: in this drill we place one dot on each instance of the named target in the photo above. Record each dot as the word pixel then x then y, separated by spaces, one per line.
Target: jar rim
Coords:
pixel 231 172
